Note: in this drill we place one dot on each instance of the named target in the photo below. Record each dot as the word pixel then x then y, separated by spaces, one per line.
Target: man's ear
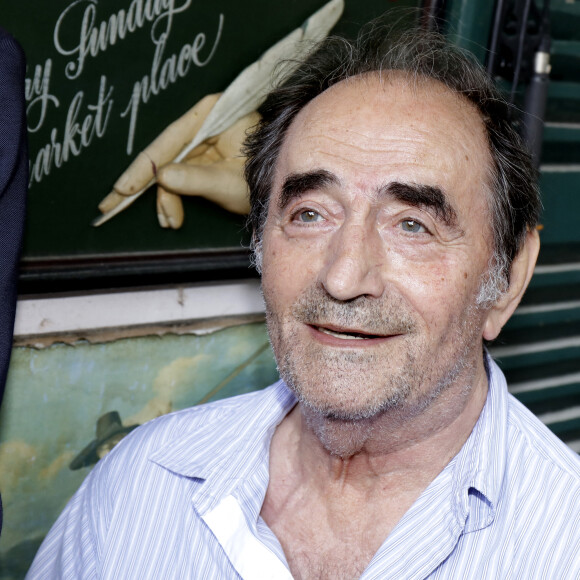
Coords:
pixel 521 274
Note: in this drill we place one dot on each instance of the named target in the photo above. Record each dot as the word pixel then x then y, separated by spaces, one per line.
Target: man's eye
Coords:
pixel 308 216
pixel 413 227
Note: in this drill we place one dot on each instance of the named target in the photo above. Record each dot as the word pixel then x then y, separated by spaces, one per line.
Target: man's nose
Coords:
pixel 355 263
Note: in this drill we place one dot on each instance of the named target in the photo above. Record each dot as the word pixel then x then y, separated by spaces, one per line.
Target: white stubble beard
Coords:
pixel 341 397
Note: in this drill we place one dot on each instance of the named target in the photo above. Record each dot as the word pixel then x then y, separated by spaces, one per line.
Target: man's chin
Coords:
pixel 342 431
pixel 348 409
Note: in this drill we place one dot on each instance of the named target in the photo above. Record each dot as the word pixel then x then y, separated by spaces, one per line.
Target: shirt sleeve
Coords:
pixel 13 185
pixel 71 548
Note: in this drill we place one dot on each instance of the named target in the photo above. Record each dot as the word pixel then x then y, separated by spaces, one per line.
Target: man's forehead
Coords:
pixel 395 94
pixel 416 127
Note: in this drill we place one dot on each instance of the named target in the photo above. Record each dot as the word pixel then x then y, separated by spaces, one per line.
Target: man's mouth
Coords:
pixel 347 334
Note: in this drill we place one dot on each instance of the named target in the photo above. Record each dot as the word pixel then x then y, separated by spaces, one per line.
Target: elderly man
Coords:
pixel 394 214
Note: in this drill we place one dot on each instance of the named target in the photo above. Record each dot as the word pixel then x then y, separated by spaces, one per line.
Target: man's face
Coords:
pixel 375 244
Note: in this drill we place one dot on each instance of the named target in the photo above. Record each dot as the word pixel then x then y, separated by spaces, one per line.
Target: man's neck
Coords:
pixel 394 442
pixel 384 465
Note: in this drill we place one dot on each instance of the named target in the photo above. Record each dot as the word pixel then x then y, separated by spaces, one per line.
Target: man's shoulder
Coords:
pixel 207 417
pixel 191 441
pixel 532 441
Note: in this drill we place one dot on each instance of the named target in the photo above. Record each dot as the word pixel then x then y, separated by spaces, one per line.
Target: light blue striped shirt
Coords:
pixel 181 496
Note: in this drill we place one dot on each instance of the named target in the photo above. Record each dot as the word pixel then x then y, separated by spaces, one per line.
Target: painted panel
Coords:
pixel 55 396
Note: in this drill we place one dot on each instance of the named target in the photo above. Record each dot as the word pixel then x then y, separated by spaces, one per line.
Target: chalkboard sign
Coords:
pixel 104 78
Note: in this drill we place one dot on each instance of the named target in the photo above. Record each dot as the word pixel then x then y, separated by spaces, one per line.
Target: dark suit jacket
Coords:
pixel 13 186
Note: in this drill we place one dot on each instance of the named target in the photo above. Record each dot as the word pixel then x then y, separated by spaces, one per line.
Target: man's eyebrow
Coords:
pixel 296 184
pixel 424 196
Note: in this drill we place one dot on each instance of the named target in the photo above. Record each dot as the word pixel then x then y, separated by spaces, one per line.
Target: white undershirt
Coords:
pixel 250 557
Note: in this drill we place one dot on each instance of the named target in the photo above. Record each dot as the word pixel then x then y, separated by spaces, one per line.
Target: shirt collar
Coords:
pixel 479 467
pixel 233 448
pixel 240 441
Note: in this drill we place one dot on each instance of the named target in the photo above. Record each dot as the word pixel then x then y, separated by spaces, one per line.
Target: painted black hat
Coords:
pixel 108 426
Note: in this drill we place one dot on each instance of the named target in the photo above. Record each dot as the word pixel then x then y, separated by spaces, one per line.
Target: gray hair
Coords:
pixel 513 194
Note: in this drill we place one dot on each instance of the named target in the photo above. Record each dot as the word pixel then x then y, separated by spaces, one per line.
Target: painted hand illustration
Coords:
pixel 212 170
